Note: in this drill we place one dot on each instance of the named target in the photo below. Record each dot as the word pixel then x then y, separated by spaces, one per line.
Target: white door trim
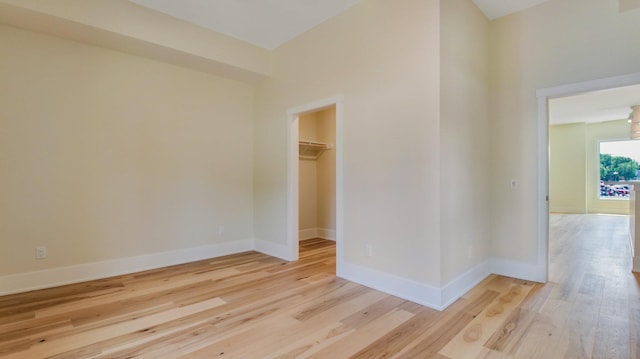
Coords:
pixel 292 175
pixel 544 95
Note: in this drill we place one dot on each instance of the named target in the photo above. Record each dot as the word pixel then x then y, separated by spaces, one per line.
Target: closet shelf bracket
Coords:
pixel 311 150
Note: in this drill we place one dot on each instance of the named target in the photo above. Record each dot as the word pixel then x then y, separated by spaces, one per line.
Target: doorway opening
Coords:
pixel 317 178
pixel 590 140
pixel 315 173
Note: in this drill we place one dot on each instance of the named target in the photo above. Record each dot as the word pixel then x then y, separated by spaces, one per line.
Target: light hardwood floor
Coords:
pixel 254 306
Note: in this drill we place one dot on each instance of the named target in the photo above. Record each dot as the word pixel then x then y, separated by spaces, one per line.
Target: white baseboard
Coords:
pixel 23 282
pixel 416 292
pixel 323 233
pixel 273 249
pixel 421 293
pixel 308 233
pixel 621 211
pixel 520 270
pixel 569 210
pixel 464 282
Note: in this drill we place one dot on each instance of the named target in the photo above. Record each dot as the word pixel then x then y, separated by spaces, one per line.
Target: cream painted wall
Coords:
pixel 555 43
pixel 307 177
pixel 567 168
pixel 574 178
pixel 596 132
pixel 105 155
pixel 307 127
pixel 391 131
pixel 465 137
pixel 628 5
pixel 130 28
pixel 326 127
pixel 308 195
pixel 317 178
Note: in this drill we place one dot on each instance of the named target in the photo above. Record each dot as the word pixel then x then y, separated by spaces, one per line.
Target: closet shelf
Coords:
pixel 311 150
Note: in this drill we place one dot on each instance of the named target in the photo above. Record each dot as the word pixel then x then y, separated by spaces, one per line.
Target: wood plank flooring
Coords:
pixel 253 306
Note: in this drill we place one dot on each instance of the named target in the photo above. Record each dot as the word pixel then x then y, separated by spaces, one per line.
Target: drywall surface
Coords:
pixel 465 137
pixel 308 178
pixel 567 168
pixel 574 178
pixel 326 133
pixel 391 132
pixel 556 43
pixel 317 177
pixel 105 155
pixel 130 28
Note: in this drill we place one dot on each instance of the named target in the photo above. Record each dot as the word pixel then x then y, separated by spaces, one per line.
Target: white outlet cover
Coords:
pixel 41 252
pixel 369 249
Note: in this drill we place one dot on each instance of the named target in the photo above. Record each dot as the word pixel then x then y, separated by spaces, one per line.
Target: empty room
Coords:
pixel 313 179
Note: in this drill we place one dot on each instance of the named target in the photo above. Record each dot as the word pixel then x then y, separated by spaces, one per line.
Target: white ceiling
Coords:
pixel 598 106
pixel 265 23
pixel 271 23
pixel 494 9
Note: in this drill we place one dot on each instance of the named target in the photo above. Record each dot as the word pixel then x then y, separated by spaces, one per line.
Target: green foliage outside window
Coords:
pixel 617 168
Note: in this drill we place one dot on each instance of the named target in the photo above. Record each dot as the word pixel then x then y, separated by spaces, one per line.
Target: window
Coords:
pixel 618 163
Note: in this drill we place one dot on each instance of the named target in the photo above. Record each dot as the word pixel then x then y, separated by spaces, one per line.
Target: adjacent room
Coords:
pixel 317 179
pixel 594 154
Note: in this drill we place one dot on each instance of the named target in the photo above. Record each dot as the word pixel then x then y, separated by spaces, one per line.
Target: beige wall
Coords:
pixel 556 43
pixel 567 168
pixel 307 177
pixel 326 123
pixel 628 5
pixel 104 155
pixel 130 28
pixel 465 137
pixel 574 161
pixel 391 131
pixel 317 178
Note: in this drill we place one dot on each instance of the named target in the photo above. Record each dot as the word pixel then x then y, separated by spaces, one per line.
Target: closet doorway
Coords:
pixel 315 177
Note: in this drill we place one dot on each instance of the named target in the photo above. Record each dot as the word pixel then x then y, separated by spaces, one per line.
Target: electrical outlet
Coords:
pixel 41 252
pixel 220 230
pixel 369 249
